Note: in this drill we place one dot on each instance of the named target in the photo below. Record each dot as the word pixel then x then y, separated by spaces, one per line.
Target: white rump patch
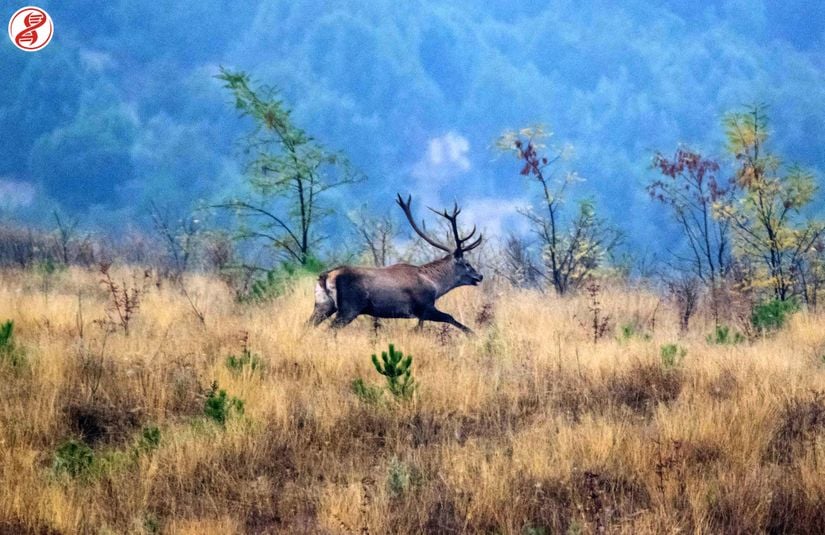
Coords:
pixel 325 295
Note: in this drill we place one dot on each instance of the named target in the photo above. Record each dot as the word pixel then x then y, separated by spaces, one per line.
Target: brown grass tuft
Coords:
pixel 642 386
pixel 801 421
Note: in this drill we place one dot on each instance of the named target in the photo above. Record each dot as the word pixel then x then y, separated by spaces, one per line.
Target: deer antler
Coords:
pixel 406 207
pixel 460 248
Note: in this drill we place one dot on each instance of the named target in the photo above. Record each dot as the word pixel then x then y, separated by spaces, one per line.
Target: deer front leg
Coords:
pixel 342 319
pixel 346 313
pixel 433 314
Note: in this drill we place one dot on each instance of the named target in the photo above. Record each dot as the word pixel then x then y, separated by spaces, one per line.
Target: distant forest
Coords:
pixel 123 111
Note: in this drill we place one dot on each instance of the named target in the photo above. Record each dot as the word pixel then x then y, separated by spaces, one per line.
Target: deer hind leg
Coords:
pixel 350 306
pixel 434 314
pixel 324 305
pixel 321 312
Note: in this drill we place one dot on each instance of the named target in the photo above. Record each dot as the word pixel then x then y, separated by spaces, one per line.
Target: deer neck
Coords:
pixel 441 274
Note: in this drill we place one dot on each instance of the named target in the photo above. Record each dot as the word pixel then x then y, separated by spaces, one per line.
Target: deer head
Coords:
pixel 464 273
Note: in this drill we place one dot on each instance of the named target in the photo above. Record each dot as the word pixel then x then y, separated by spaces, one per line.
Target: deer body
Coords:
pixel 397 291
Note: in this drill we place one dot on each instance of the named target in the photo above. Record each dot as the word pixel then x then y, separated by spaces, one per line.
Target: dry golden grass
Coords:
pixel 527 428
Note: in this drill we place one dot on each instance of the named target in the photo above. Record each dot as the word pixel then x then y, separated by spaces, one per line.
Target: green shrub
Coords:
pixel 274 284
pixel 631 330
pixel 10 353
pixel 493 342
pixel 773 314
pixel 397 370
pixel 247 360
pixel 219 406
pixel 280 280
pixel 73 458
pixel 401 477
pixel 672 355
pixel 151 524
pixel 77 460
pixel 47 271
pixel 149 440
pixel 366 393
pixel 722 335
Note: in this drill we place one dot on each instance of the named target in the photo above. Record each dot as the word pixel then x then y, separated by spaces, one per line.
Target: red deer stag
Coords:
pixel 400 290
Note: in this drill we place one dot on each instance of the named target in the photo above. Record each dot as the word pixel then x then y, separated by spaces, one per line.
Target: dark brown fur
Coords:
pixel 397 291
pixel 400 290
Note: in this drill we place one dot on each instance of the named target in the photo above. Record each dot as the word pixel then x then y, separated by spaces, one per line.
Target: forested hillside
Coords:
pixel 123 109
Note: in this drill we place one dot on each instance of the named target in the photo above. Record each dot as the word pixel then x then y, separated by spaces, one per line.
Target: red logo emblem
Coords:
pixel 30 28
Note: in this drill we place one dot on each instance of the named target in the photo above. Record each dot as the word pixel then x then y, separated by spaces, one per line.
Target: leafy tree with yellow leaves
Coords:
pixel 766 216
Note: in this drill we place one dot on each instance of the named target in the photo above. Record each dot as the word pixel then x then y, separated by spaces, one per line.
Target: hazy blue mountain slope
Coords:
pixel 122 108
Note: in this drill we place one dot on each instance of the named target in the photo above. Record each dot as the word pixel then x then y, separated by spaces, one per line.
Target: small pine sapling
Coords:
pixel 247 359
pixel 219 406
pixel 9 351
pixel 147 442
pixel 396 368
pixel 722 335
pixel 73 458
pixel 6 334
pixel 672 355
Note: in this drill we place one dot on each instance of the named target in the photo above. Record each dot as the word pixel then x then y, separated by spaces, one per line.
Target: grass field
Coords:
pixel 528 428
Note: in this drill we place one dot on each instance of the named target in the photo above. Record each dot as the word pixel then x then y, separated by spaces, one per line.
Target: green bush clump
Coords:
pixel 397 370
pixel 366 393
pixel 149 440
pixel 219 406
pixel 73 458
pixel 247 359
pixel 401 477
pixel 76 459
pixel 722 335
pixel 672 355
pixel 631 330
pixel 278 281
pixel 10 352
pixel 773 314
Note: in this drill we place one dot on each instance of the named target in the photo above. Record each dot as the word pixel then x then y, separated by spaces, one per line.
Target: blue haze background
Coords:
pixel 122 107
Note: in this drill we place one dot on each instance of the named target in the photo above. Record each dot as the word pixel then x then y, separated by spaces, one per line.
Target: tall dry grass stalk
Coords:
pixel 529 427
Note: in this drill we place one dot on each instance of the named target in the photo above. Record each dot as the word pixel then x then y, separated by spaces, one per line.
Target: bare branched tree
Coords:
pixel 685 289
pixel 809 273
pixel 519 265
pixel 179 235
pixel 691 188
pixel 572 248
pixel 181 238
pixel 66 235
pixel 376 235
